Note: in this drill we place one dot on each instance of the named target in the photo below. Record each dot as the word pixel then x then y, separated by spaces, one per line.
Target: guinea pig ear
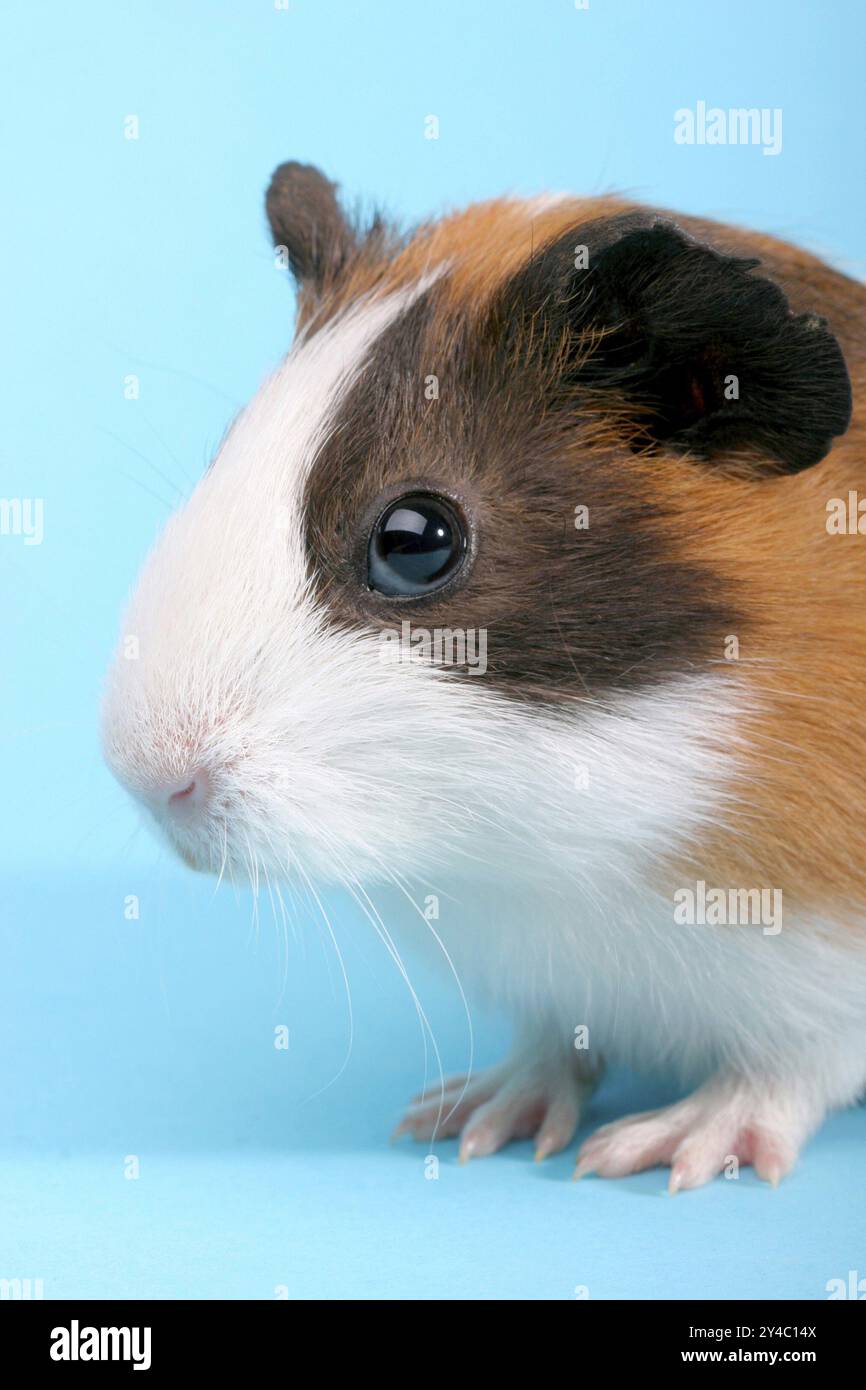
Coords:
pixel 706 352
pixel 306 219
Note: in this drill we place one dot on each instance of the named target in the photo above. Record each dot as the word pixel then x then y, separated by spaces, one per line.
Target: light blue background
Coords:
pixel 150 257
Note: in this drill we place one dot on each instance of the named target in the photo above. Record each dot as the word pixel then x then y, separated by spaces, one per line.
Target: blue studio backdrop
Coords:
pixel 153 1140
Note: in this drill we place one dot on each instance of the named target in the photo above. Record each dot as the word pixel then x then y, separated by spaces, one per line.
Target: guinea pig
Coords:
pixel 535 575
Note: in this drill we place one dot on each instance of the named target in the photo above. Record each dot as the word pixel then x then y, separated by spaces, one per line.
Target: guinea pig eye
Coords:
pixel 416 545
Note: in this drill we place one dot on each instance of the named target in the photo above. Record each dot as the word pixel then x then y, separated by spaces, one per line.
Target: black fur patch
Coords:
pixel 706 353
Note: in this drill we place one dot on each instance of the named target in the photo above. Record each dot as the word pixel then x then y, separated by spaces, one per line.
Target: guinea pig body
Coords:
pixel 545 594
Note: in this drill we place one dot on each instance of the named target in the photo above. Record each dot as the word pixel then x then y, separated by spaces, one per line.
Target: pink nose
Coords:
pixel 186 796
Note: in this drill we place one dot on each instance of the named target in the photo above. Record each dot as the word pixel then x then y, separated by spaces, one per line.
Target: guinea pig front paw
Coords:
pixel 518 1100
pixel 724 1124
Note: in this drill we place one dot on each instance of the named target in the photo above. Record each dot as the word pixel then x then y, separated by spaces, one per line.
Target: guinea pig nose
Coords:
pixel 188 794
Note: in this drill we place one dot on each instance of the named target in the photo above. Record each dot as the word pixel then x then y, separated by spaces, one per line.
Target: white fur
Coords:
pixel 327 762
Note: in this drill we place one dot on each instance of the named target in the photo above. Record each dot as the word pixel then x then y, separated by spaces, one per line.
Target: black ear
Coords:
pixel 706 352
pixel 306 218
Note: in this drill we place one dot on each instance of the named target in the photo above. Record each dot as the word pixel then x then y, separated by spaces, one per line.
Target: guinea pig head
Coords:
pixel 443 559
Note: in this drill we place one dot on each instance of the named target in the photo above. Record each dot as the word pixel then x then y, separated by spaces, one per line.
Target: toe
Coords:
pixel 557 1127
pixel 627 1148
pixel 695 1162
pixel 443 1114
pixel 433 1091
pixel 510 1115
pixel 772 1159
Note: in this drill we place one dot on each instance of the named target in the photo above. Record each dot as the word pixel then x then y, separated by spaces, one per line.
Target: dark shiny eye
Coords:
pixel 416 545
